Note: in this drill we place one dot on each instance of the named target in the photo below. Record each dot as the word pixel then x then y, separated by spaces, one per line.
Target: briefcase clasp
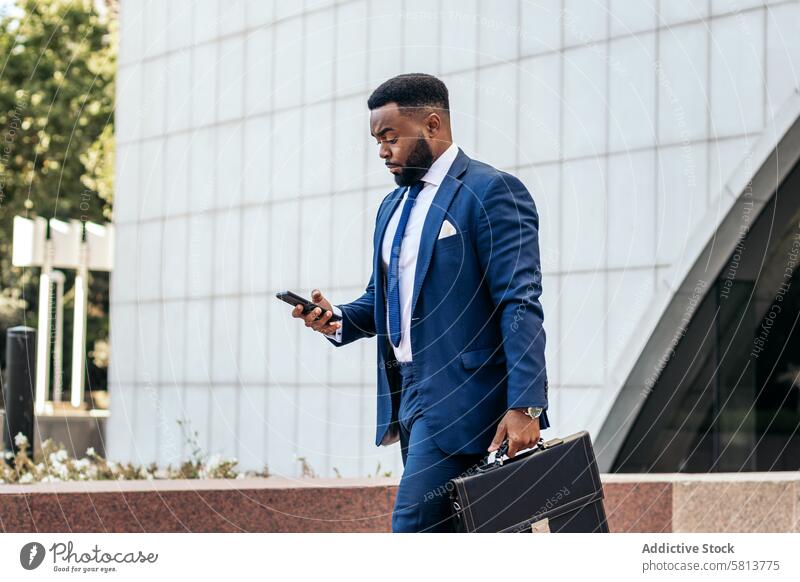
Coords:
pixel 550 443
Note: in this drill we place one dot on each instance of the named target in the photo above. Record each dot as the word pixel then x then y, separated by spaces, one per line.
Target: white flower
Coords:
pixel 20 439
pixel 26 478
pixel 213 462
pixel 57 458
pixel 240 476
pixel 9 455
pixel 90 452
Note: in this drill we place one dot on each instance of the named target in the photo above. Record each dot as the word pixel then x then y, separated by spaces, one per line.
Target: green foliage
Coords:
pixel 56 133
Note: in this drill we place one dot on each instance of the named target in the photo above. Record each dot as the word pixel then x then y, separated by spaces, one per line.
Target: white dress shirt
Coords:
pixel 410 248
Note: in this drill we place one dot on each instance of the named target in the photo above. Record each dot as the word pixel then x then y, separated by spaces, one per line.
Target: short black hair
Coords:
pixel 415 90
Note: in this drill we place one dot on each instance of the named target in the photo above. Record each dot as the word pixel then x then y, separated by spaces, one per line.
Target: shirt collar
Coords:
pixel 441 166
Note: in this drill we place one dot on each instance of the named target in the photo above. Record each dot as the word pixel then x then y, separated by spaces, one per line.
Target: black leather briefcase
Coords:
pixel 553 487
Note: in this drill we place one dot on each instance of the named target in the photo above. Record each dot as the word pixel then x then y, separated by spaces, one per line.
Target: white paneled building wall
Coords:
pixel 245 166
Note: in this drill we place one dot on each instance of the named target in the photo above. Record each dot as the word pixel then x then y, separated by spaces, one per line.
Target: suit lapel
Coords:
pixel 385 213
pixel 434 218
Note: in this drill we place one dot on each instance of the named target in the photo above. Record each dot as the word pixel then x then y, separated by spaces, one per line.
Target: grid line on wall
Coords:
pixel 562 48
pixel 476 68
pixel 605 191
pixel 389 188
pixel 561 219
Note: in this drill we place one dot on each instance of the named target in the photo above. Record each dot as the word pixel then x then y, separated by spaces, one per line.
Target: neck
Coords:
pixel 443 145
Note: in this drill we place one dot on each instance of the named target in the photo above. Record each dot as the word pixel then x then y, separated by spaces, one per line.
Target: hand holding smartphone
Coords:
pixel 306 310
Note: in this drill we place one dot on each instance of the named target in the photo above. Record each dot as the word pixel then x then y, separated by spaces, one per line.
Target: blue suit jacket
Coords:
pixel 476 331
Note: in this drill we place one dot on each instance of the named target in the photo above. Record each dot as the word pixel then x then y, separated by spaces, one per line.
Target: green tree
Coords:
pixel 57 65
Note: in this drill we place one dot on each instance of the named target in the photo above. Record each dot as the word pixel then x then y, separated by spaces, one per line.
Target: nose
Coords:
pixel 384 152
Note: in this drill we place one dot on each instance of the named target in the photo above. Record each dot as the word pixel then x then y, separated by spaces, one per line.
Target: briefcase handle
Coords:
pixel 503 449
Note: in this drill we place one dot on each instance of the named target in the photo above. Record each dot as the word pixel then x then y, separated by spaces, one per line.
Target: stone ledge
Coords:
pixel 194 485
pixel 720 502
pixel 216 505
pixel 700 477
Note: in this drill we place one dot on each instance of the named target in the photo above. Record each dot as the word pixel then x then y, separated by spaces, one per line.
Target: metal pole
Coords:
pixel 43 347
pixel 58 340
pixel 20 380
pixel 79 331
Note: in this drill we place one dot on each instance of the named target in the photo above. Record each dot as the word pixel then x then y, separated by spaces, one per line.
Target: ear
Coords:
pixel 433 124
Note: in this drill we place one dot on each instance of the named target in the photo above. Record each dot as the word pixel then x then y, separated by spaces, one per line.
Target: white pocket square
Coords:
pixel 447 230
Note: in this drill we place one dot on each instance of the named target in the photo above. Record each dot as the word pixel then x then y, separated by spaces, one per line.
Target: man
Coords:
pixel 453 299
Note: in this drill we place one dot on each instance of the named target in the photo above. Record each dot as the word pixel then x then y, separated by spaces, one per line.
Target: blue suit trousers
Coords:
pixel 423 502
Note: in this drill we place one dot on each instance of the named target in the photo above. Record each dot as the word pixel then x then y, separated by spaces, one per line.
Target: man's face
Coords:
pixel 402 142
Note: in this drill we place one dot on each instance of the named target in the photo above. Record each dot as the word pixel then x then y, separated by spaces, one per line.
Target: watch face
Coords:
pixel 534 412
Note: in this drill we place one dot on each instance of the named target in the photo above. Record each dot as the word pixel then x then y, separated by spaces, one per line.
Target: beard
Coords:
pixel 418 163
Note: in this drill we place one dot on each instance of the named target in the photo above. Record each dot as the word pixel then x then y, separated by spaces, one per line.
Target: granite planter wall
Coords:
pixel 721 502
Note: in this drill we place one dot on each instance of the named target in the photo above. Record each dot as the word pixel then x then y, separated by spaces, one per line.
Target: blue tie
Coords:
pixel 393 283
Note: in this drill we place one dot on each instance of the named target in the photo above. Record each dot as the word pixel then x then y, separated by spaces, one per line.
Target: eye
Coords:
pixel 392 141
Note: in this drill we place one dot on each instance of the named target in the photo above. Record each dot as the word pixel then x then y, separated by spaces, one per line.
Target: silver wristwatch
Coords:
pixel 533 411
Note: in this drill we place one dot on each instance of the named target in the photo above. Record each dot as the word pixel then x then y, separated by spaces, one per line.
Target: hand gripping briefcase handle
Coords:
pixel 503 450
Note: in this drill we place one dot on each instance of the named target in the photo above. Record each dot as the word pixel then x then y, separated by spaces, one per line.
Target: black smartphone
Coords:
pixel 294 299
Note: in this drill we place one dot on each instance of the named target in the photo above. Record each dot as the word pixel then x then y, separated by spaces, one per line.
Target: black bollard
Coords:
pixel 20 386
